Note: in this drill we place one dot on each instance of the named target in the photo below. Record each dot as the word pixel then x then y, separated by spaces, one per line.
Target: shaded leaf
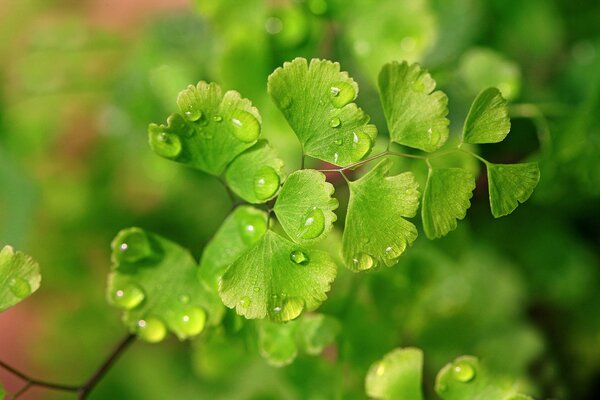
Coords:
pixel 278 279
pixel 376 231
pixel 155 282
pixel 397 376
pixel 305 206
pixel 317 101
pixel 212 129
pixel 510 184
pixel 19 277
pixel 415 113
pixel 446 199
pixel 488 120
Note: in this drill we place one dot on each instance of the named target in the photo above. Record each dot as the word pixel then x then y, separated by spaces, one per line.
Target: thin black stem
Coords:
pixel 375 157
pixel 38 382
pixel 87 387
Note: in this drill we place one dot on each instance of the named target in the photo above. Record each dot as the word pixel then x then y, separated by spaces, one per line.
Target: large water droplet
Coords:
pixel 463 371
pixel 127 296
pixel 341 93
pixel 189 322
pixel 252 228
pixel 19 287
pixel 165 144
pixel 313 223
pixel 266 182
pixel 362 262
pixel 245 126
pixel 299 257
pixel 361 144
pixel 391 254
pixel 133 245
pixel 335 122
pixel 151 329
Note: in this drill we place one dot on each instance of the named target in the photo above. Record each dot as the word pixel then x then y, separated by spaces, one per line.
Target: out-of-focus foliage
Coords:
pixel 520 293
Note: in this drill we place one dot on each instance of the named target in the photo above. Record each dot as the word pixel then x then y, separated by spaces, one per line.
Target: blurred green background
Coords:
pixel 81 80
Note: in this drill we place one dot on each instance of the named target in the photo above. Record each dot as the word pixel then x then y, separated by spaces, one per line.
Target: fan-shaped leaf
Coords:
pixel 488 120
pixel 397 376
pixel 317 101
pixel 19 277
pixel 510 184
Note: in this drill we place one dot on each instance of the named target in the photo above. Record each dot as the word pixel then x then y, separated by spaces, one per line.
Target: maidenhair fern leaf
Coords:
pixel 305 206
pixel 154 281
pixel 446 199
pixel 212 129
pixel 317 101
pixel 19 277
pixel 397 376
pixel 278 279
pixel 488 120
pixel 255 175
pixel 510 184
pixel 415 113
pixel 376 229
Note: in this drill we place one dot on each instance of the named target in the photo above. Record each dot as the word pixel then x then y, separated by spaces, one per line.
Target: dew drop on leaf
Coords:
pixel 335 122
pixel 391 255
pixel 151 330
pixel 380 370
pixel 256 289
pixel 133 245
pixel 245 302
pixel 192 113
pixel 361 144
pixel 266 182
pixel 189 322
pixel 165 144
pixel 341 93
pixel 217 118
pixel 252 228
pixel 245 126
pixel 127 296
pixel 463 371
pixel 299 257
pixel 338 142
pixel 19 287
pixel 362 262
pixel 313 223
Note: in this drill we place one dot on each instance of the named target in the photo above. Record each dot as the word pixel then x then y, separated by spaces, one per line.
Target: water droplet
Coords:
pixel 189 322
pixel 380 370
pixel 277 309
pixel 341 93
pixel 151 329
pixel 165 144
pixel 192 113
pixel 336 157
pixel 127 296
pixel 418 86
pixel 391 254
pixel 245 126
pixel 313 223
pixel 463 371
pixel 266 182
pixel 132 245
pixel 338 142
pixel 256 289
pixel 361 144
pixel 299 257
pixel 184 299
pixel 19 287
pixel 245 302
pixel 335 122
pixel 252 228
pixel 362 262
pixel 217 118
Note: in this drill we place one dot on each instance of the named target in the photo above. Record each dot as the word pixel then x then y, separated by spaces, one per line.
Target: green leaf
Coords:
pixel 446 199
pixel 305 206
pixel 278 279
pixel 488 120
pixel 154 281
pixel 19 277
pixel 510 184
pixel 415 114
pixel 280 343
pixel 211 130
pixel 466 378
pixel 317 101
pixel 376 231
pixel 244 227
pixel 397 376
pixel 255 175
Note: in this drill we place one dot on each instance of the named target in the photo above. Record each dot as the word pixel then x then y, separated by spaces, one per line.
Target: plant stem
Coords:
pixel 38 382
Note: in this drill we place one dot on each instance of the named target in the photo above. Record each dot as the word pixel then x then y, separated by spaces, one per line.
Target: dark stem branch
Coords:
pixel 87 387
pixel 37 382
